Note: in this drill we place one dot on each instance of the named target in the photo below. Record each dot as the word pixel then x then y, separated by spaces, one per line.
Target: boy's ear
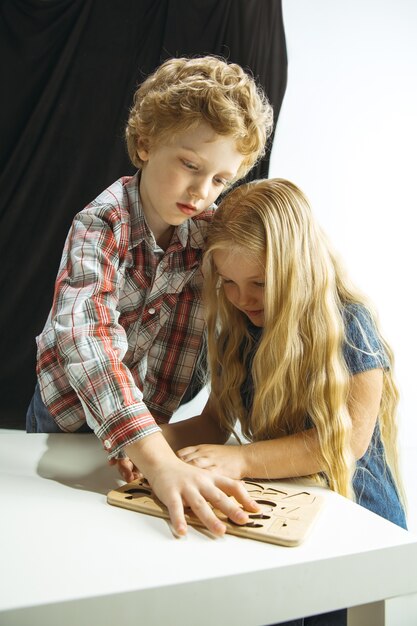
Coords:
pixel 143 149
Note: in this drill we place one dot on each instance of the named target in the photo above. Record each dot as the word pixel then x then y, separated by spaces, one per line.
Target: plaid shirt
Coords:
pixel 121 341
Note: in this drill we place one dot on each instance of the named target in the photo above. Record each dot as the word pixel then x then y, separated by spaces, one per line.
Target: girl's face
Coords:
pixel 243 281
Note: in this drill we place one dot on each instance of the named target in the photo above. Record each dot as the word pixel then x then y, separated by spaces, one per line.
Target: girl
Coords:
pixel 296 357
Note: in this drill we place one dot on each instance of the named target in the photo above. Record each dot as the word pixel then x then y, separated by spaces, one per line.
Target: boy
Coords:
pixel 121 342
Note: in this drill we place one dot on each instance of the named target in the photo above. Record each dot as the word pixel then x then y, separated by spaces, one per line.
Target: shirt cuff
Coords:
pixel 124 428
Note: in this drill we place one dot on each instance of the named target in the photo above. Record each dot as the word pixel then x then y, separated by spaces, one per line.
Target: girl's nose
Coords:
pixel 245 298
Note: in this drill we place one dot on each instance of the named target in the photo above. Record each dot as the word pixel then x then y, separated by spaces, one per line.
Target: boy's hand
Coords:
pixel 178 485
pixel 226 460
pixel 182 485
pixel 127 470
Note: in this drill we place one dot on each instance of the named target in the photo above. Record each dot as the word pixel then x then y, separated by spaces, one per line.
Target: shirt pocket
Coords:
pixel 182 287
pixel 178 280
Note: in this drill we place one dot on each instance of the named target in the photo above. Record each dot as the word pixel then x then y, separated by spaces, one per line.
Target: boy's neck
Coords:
pixel 163 240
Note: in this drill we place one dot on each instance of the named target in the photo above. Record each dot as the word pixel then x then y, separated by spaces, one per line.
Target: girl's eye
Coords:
pixel 260 284
pixel 225 281
pixel 221 181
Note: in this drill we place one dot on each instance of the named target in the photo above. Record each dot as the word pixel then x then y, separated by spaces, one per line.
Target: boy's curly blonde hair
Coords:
pixel 183 92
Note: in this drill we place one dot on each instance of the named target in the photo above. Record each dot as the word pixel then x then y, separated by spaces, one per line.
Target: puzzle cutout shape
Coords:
pixel 286 515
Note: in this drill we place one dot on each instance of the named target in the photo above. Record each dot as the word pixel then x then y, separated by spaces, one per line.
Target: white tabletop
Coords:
pixel 62 543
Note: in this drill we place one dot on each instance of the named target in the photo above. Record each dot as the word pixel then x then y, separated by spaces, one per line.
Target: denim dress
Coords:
pixel 373 483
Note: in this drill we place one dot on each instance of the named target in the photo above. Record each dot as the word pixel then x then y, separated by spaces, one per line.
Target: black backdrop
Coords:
pixel 68 71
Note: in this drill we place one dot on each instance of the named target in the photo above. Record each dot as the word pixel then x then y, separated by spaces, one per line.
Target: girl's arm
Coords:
pixel 299 454
pixel 189 432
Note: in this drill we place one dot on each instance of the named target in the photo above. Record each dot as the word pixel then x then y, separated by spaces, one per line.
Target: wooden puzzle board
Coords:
pixel 286 515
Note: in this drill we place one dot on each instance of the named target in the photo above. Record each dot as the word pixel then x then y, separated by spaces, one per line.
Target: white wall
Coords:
pixel 347 135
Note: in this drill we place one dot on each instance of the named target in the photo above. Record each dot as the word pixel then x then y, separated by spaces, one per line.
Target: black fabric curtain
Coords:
pixel 68 70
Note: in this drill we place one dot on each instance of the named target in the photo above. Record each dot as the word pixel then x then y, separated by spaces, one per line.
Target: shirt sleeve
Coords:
pixel 91 343
pixel 363 349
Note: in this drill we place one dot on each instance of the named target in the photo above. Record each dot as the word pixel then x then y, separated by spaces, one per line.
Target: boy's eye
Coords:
pixel 190 166
pixel 221 181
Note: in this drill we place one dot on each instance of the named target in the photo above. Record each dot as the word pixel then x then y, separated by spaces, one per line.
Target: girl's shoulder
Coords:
pixel 363 348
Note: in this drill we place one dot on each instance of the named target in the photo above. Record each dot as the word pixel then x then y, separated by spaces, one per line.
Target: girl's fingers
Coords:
pixel 199 461
pixel 184 453
pixel 193 456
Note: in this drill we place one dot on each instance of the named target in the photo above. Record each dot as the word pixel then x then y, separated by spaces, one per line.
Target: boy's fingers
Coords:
pixel 127 470
pixel 128 476
pixel 201 509
pixel 237 489
pixel 216 496
pixel 203 491
pixel 177 517
pixel 229 507
pixel 205 513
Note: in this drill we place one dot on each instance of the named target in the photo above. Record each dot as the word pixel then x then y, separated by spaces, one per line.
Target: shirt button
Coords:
pixel 107 444
pixel 151 311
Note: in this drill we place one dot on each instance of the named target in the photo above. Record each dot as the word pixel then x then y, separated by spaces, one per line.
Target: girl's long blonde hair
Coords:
pixel 299 370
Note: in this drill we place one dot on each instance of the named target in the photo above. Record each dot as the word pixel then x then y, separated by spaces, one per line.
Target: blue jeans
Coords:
pixel 39 419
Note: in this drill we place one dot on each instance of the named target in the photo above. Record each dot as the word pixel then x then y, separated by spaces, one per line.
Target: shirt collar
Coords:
pixel 139 227
pixel 191 231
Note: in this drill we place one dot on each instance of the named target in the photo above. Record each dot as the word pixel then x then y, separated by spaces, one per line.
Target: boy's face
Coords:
pixel 184 176
pixel 243 282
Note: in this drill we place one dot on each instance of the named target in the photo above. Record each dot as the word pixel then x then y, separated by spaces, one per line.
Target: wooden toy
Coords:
pixel 286 515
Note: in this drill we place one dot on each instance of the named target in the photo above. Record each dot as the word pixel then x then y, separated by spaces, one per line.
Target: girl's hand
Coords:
pixel 227 460
pixel 127 470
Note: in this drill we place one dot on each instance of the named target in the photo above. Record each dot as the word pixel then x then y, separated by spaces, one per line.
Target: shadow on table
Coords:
pixel 77 460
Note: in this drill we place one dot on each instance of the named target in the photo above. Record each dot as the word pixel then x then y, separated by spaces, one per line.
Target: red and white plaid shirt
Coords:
pixel 120 344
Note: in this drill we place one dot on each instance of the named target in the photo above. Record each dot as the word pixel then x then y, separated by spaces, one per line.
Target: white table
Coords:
pixel 70 559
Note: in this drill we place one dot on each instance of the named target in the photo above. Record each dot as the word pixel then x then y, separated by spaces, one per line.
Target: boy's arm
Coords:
pixel 91 343
pixel 188 432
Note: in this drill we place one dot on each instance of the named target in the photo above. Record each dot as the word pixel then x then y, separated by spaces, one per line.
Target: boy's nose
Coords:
pixel 200 189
